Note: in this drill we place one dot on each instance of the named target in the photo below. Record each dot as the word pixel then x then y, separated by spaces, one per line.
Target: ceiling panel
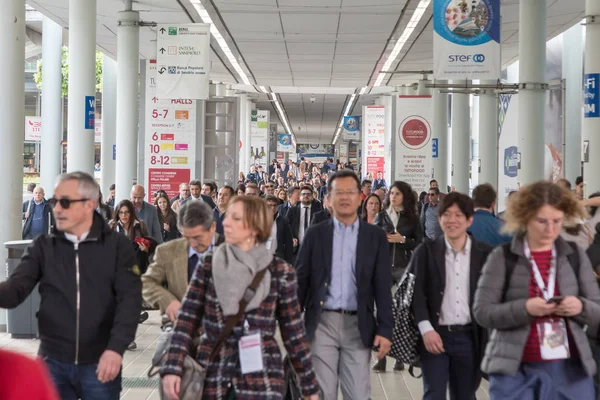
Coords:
pixel 367 50
pixel 309 23
pixel 380 23
pixel 307 48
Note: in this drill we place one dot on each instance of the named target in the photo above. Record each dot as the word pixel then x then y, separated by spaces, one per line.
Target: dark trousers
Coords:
pixel 81 382
pixel 456 367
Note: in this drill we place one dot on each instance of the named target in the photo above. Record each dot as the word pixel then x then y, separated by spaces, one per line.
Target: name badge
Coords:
pixel 554 343
pixel 250 348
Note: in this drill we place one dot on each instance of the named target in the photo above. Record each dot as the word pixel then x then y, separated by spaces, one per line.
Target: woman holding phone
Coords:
pixel 538 295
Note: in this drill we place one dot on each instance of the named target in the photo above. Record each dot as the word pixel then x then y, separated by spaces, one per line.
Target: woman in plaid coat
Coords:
pixel 214 293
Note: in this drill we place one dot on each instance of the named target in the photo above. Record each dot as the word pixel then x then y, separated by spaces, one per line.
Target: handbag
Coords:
pixel 193 374
pixel 405 334
pixel 384 221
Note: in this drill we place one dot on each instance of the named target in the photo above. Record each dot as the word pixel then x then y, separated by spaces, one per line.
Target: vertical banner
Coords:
pixel 259 138
pixel 183 58
pixel 344 153
pixel 509 156
pixel 591 95
pixel 351 128
pixel 90 112
pixel 284 144
pixel 170 152
pixel 413 141
pixel 374 140
pixel 466 39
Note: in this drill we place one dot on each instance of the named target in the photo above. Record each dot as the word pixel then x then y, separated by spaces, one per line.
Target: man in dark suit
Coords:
pixel 323 215
pixel 343 270
pixel 447 270
pixel 300 215
pixel 281 240
pixel 293 198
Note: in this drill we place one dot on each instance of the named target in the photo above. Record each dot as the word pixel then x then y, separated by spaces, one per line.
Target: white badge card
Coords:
pixel 250 347
pixel 554 343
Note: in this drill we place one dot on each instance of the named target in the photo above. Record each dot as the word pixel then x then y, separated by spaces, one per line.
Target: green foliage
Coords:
pixel 37 77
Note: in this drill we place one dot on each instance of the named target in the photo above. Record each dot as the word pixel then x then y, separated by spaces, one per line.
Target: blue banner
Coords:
pixel 90 112
pixel 591 95
pixel 351 128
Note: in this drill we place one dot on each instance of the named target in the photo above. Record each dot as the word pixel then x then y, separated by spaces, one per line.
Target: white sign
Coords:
pixel 374 140
pixel 351 128
pixel 170 139
pixel 183 61
pixel 98 131
pixel 344 153
pixel 259 138
pixel 413 141
pixel 466 39
pixel 33 129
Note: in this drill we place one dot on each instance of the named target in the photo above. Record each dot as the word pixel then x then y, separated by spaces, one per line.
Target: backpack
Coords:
pixel 512 258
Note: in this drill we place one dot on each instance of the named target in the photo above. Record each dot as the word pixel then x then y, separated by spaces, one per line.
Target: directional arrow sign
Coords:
pixel 162 30
pixel 162 70
pixel 162 50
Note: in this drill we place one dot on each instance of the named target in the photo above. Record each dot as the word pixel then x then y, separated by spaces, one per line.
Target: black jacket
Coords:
pixel 373 279
pixel 48 217
pixel 593 251
pixel 401 252
pixel 108 283
pixel 293 216
pixel 285 240
pixel 319 217
pixel 284 208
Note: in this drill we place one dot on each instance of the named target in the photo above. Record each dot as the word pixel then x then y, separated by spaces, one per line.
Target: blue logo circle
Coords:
pixel 464 24
pixel 478 58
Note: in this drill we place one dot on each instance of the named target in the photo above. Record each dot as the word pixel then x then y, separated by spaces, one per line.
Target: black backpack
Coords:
pixel 511 261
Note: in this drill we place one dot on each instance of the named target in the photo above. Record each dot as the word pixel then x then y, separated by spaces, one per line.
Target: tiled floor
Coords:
pixel 389 385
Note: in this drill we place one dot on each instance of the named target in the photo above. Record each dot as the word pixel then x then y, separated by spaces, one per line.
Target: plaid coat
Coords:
pixel 201 305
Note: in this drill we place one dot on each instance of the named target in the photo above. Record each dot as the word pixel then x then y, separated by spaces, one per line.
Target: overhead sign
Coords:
pixel 374 141
pixel 466 42
pixel 591 96
pixel 183 60
pixel 315 150
pixel 351 128
pixel 33 129
pixel 90 112
pixel 259 138
pixel 284 143
pixel 170 152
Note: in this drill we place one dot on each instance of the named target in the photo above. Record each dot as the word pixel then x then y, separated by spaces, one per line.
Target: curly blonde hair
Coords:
pixel 525 204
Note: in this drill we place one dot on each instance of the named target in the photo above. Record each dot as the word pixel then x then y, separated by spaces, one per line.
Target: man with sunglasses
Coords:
pixel 429 215
pixel 175 261
pixel 90 293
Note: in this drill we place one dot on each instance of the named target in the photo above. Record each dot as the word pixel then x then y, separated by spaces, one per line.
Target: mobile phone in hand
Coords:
pixel 556 300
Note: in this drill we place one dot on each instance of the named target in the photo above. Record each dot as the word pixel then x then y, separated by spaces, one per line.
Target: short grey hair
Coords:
pixel 195 213
pixel 88 187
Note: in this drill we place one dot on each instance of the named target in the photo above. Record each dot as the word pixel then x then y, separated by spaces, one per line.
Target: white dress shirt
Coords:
pixel 302 211
pixel 272 242
pixel 455 308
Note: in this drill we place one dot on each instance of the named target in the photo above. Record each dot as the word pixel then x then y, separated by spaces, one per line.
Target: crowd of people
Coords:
pixel 315 253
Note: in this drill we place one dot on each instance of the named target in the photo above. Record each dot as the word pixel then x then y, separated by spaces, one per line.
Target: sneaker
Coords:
pixel 398 366
pixel 132 346
pixel 380 366
pixel 143 317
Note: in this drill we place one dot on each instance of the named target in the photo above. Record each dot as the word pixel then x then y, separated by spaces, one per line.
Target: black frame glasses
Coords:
pixel 65 203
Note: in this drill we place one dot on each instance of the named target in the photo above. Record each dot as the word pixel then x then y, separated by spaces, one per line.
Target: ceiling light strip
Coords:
pixel 283 117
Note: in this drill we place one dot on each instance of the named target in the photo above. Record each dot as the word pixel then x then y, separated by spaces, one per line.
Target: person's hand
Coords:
pixel 433 342
pixel 570 306
pixel 27 215
pixel 384 346
pixel 295 242
pixel 538 307
pixel 109 366
pixel 395 238
pixel 171 386
pixel 143 248
pixel 166 227
pixel 172 310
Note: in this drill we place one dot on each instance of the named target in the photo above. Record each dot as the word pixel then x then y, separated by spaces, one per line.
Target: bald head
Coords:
pixel 38 194
pixel 137 196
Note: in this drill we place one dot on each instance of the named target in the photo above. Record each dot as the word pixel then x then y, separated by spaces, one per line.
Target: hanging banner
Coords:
pixel 170 152
pixel 183 58
pixel 374 142
pixel 509 157
pixel 344 153
pixel 315 150
pixel 33 129
pixel 284 144
pixel 591 95
pixel 351 128
pixel 466 39
pixel 259 138
pixel 413 141
pixel 98 131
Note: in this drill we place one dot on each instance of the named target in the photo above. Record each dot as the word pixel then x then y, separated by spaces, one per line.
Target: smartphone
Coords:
pixel 556 300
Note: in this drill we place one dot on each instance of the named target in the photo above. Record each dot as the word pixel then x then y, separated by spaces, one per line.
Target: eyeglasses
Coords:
pixel 124 213
pixel 306 194
pixel 64 203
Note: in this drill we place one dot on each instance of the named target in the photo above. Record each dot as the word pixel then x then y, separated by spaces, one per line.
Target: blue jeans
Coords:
pixel 81 382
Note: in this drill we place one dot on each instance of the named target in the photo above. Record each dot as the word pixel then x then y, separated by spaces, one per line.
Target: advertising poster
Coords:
pixel 591 95
pixel 98 131
pixel 374 140
pixel 509 157
pixel 351 128
pixel 284 144
pixel 315 150
pixel 33 129
pixel 183 59
pixel 170 152
pixel 413 141
pixel 344 153
pixel 466 39
pixel 259 138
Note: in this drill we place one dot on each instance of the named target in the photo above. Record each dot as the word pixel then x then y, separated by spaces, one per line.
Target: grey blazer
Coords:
pixel 150 218
pixel 510 323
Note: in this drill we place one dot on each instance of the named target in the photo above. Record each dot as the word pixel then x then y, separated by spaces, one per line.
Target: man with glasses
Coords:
pixel 429 215
pixel 301 214
pixel 184 194
pixel 175 261
pixel 91 293
pixel 281 241
pixel 270 188
pixel 343 270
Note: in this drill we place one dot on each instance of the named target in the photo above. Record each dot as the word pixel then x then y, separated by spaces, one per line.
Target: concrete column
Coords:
pixel 461 142
pixel 128 49
pixel 474 162
pixel 422 89
pixel 591 126
pixel 12 128
pixel 109 123
pixel 573 76
pixel 532 64
pixel 390 113
pixel 82 85
pixel 51 158
pixel 441 169
pixel 488 136
pixel 243 157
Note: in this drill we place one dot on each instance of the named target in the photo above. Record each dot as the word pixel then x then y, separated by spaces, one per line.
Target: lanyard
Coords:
pixel 546 292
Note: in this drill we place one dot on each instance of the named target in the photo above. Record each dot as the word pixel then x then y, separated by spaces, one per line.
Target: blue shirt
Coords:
pixel 486 228
pixel 37 219
pixel 342 287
